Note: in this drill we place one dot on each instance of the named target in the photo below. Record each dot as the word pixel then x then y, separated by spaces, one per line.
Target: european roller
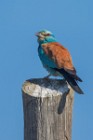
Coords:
pixel 57 59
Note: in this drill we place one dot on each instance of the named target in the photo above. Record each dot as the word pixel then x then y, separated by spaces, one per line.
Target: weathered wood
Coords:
pixel 47 108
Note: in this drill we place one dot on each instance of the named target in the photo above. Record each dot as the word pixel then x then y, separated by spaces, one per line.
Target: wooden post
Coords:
pixel 47 108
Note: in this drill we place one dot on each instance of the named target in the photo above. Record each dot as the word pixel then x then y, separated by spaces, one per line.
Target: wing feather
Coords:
pixel 59 55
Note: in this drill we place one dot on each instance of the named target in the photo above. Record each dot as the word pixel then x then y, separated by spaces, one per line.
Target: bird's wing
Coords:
pixel 59 55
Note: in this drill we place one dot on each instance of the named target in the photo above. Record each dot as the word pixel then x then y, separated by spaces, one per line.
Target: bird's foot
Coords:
pixel 64 80
pixel 47 77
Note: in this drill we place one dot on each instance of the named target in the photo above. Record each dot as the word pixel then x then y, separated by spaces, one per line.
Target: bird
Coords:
pixel 56 59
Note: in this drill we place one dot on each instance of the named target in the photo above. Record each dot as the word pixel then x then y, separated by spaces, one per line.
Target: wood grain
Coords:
pixel 47 109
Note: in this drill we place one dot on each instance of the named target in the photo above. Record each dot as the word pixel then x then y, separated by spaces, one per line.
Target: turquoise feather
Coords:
pixel 46 61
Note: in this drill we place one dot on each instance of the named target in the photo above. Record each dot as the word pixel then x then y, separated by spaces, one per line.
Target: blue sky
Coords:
pixel 72 23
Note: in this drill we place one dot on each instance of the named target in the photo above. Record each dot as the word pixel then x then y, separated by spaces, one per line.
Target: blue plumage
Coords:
pixel 46 61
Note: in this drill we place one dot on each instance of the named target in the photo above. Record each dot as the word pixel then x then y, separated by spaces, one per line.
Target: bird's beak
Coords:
pixel 39 35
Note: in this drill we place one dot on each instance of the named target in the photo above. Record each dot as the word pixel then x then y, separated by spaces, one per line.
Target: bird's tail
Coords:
pixel 71 80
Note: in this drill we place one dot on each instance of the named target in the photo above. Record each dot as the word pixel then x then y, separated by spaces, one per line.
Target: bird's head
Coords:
pixel 45 36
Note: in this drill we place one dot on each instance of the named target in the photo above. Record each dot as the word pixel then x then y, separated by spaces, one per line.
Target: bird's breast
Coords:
pixel 45 59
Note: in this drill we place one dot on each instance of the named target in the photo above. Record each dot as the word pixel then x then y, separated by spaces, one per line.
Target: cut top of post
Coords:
pixel 45 88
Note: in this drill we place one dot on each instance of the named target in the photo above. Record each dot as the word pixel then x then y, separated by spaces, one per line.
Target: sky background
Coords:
pixel 71 21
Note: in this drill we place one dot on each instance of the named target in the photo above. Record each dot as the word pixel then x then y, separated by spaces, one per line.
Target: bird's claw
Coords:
pixel 47 77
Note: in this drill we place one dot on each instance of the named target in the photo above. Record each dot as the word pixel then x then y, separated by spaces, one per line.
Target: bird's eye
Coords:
pixel 47 34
